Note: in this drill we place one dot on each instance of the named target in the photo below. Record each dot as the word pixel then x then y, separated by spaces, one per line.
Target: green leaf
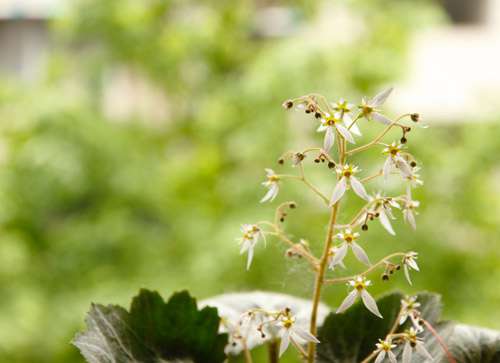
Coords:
pixel 153 331
pixel 351 336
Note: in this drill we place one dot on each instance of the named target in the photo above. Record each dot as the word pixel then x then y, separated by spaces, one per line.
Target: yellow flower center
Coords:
pixel 273 178
pixel 359 285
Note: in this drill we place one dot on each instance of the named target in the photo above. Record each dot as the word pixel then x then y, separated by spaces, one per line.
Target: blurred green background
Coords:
pixel 139 149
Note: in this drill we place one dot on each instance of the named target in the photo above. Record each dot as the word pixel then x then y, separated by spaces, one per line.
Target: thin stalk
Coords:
pixel 320 274
pixel 246 352
pixel 273 351
pixel 340 280
pixel 379 137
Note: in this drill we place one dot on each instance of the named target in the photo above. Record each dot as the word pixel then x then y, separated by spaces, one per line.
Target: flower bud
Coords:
pixel 364 227
pixel 413 164
pixel 288 104
pixel 415 117
pixel 403 140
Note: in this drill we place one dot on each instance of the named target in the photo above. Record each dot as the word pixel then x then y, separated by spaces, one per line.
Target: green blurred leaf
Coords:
pixel 152 331
pixel 351 336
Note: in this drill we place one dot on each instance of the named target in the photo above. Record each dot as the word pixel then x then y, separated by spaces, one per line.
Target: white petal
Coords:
pixel 380 357
pixel 370 303
pixel 305 335
pixel 358 188
pixel 271 193
pixel 285 341
pixel 353 127
pixel 380 98
pixel 410 218
pixel 392 357
pixel 413 264
pixel 422 351
pixel 385 222
pixel 404 167
pixel 345 133
pixel 360 253
pixel 386 170
pixel 250 257
pixel 381 118
pixel 338 191
pixel 407 274
pixel 321 128
pixel 329 139
pixel 348 301
pixel 339 255
pixel 407 353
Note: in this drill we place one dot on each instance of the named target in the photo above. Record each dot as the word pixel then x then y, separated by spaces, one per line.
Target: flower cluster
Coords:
pixel 410 338
pixel 341 124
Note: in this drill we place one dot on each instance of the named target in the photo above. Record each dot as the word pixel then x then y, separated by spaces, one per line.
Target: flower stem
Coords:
pixel 320 274
pixel 273 351
pixel 366 272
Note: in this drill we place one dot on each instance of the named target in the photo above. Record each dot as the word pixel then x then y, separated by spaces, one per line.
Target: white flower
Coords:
pixel 330 124
pixel 359 289
pixel 409 306
pixel 414 178
pixel 250 236
pixel 409 262
pixel 291 332
pixel 384 348
pixel 272 184
pixel 414 344
pixel 369 108
pixel 349 240
pixel 383 206
pixel 332 253
pixel 409 210
pixel 241 315
pixel 395 160
pixel 345 109
pixel 346 174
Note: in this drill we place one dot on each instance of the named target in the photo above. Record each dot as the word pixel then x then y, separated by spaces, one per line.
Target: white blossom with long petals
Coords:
pixel 370 107
pixel 347 177
pixel 272 183
pixel 348 239
pixel 359 285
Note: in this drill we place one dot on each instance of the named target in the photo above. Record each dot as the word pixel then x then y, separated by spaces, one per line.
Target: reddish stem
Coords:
pixel 441 342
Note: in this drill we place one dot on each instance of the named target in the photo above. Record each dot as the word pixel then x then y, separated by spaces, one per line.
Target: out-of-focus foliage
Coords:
pixel 92 209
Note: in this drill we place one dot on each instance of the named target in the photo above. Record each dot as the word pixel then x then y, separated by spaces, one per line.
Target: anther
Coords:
pixel 385 277
pixel 292 205
pixel 415 117
pixel 403 140
pixel 364 227
pixel 317 115
pixel 331 164
pixel 413 164
pixel 316 160
pixel 281 161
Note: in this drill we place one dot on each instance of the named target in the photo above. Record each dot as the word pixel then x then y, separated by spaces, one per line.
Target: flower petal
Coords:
pixel 352 126
pixel 345 133
pixel 386 170
pixel 338 191
pixel 380 357
pixel 377 116
pixel 360 253
pixel 329 139
pixel 305 335
pixel 410 218
pixel 370 303
pixel 271 193
pixel 379 99
pixel 348 301
pixel 339 255
pixel 358 188
pixel 407 353
pixel 384 221
pixel 392 357
pixel 250 257
pixel 404 167
pixel 407 274
pixel 422 351
pixel 285 341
